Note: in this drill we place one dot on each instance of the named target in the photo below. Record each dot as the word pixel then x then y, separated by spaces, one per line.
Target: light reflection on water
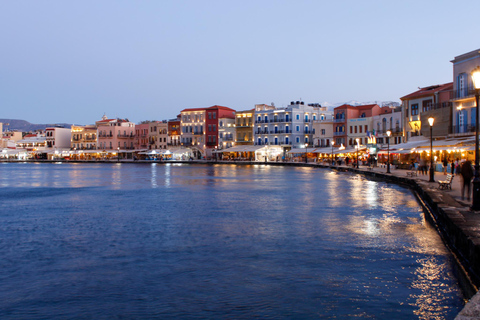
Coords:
pixel 183 241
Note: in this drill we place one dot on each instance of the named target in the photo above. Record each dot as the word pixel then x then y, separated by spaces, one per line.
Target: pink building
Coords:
pixel 115 134
pixel 141 136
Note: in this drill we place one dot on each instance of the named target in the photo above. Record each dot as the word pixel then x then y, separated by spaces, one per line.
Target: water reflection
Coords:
pixel 252 241
pixel 153 176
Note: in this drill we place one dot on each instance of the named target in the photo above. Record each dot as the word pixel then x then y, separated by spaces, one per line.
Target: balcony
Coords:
pixel 466 129
pixel 278 131
pixel 339 134
pixel 244 125
pixel 92 138
pixel 125 136
pixel 339 120
pixel 105 135
pixel 462 94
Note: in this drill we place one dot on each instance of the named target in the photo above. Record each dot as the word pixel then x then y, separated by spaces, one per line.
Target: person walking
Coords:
pixel 466 171
pixel 445 164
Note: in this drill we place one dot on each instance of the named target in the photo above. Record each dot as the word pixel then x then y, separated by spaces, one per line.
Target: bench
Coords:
pixel 412 173
pixel 446 184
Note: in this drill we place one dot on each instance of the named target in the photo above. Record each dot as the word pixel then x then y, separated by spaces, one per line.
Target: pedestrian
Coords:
pixel 445 164
pixel 423 166
pixel 466 171
pixel 457 166
pixel 452 167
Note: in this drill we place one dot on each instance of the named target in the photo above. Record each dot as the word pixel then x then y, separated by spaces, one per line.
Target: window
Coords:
pixel 209 117
pixel 214 115
pixel 323 131
pixel 298 140
pixel 351 129
pixel 360 129
pixel 298 117
pixel 298 128
pixel 356 129
pixel 214 127
pixel 363 115
pixel 415 109
pixel 426 105
pixel 366 128
pixel 209 128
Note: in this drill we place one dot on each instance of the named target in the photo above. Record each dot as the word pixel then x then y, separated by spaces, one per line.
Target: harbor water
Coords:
pixel 179 241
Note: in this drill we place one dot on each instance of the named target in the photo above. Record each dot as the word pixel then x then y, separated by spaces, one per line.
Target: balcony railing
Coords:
pixel 339 120
pixel 103 135
pixel 125 135
pixel 463 129
pixel 339 133
pixel 462 94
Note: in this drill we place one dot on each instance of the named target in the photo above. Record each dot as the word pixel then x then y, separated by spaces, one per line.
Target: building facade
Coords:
pixel 115 134
pixel 84 137
pixel 244 124
pixel 290 127
pixel 463 94
pixel 418 105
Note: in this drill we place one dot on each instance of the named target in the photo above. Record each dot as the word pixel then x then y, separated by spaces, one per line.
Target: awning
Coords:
pixel 247 148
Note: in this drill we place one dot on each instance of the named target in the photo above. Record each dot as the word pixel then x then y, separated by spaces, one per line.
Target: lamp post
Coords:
pixel 430 122
pixel 476 179
pixel 332 143
pixel 306 146
pixel 389 133
pixel 358 146
pixel 118 154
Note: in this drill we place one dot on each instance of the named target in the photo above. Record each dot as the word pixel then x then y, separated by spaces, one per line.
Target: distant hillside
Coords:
pixel 25 126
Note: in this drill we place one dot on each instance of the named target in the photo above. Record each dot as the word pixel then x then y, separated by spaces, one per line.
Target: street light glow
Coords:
pixel 476 77
pixel 430 121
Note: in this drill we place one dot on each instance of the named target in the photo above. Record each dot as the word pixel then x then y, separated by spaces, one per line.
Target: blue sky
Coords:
pixel 73 61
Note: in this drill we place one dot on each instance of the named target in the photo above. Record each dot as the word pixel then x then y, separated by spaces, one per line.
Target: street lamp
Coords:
pixel 118 154
pixel 389 133
pixel 358 146
pixel 306 146
pixel 476 179
pixel 332 143
pixel 430 122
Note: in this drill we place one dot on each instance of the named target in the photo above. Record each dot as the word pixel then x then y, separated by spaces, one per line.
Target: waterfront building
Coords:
pixel 157 135
pixel 142 135
pixel 463 94
pixel 83 137
pixel 219 119
pixel 287 128
pixel 389 119
pixel 354 122
pixel 200 128
pixel 423 103
pixel 226 133
pixel 33 142
pixel 192 134
pixel 173 132
pixel 58 138
pixel 115 134
pixel 9 139
pixel 323 128
pixel 244 127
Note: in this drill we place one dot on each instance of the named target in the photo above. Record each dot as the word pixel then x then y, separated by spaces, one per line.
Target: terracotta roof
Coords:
pixel 343 106
pixel 427 91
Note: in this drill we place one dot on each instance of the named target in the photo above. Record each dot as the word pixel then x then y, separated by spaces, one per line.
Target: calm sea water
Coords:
pixel 124 241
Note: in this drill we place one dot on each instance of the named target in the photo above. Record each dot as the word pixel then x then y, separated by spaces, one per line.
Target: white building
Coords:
pixel 290 127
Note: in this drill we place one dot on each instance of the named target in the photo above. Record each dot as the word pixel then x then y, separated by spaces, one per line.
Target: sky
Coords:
pixel 73 61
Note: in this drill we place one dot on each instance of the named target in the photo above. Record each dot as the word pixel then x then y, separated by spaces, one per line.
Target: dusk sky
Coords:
pixel 67 61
